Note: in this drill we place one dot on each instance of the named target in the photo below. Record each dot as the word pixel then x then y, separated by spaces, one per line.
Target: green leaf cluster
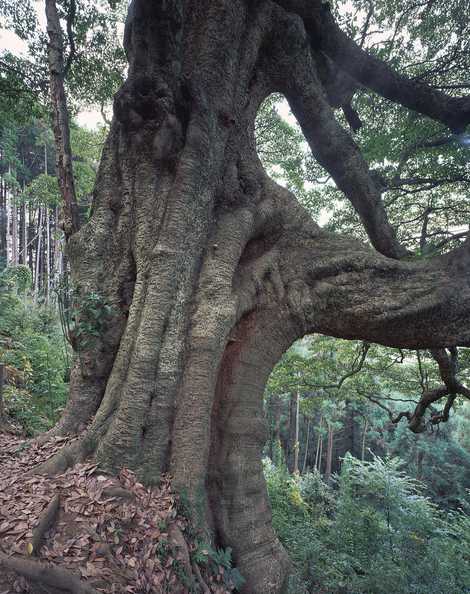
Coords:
pixel 377 533
pixel 33 353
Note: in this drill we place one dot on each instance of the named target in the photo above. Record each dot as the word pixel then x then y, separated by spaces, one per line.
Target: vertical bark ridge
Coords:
pixel 237 491
pixel 102 262
pixel 214 315
pixel 173 231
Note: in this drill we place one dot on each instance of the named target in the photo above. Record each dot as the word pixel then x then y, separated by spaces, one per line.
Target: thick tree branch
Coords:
pixel 325 35
pixel 340 287
pixel 331 145
pixel 454 112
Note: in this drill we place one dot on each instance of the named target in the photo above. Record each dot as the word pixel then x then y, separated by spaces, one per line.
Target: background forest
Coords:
pixel 379 508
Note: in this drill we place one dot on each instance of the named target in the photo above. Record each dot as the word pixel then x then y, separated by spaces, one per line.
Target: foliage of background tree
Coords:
pixel 375 533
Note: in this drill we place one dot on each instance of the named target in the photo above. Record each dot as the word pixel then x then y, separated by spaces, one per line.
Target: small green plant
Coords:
pixel 183 505
pixel 91 320
pixel 163 549
pixel 218 562
pixel 181 573
pixel 84 315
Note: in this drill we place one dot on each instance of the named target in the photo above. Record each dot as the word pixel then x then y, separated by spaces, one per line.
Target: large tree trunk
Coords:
pixel 213 270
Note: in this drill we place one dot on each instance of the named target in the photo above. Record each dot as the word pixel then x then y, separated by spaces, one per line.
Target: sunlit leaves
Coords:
pixel 19 17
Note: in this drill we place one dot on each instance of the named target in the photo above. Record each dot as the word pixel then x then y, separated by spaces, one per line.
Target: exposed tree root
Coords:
pixel 46 521
pixel 109 532
pixel 46 575
pixel 68 456
pixel 43 438
pixel 118 492
pixel 200 579
pixel 180 547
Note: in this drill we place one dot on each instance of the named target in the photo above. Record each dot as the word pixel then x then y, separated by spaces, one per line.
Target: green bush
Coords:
pixel 33 350
pixel 293 522
pixel 374 534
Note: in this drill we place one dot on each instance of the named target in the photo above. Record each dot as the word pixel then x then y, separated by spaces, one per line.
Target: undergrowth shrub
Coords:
pixel 33 352
pixel 374 532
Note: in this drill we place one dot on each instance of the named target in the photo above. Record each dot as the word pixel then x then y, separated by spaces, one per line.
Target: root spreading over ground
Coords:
pixel 87 532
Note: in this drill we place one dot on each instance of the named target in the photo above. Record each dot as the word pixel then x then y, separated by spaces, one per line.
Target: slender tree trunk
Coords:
pixel 30 236
pixel 55 248
pixel 307 439
pixel 14 232
pixel 318 452
pixel 3 224
pixel 349 431
pixel 24 235
pixel 364 436
pixel 61 120
pixel 276 424
pixel 296 435
pixel 290 442
pixel 37 266
pixel 272 409
pixel 48 255
pixel 420 456
pixel 8 220
pixel 329 453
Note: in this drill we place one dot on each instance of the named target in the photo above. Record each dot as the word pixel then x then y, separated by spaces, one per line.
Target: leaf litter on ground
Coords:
pixel 113 531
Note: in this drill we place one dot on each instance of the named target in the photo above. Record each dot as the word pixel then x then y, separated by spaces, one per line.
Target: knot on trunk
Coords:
pixel 142 100
pixel 147 110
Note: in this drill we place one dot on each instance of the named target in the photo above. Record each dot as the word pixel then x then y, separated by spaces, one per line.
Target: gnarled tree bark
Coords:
pixel 213 270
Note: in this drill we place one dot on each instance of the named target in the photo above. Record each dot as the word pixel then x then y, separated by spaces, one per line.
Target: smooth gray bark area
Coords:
pixel 213 270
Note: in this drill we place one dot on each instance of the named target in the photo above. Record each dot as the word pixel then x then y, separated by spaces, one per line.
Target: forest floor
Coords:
pixel 98 532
